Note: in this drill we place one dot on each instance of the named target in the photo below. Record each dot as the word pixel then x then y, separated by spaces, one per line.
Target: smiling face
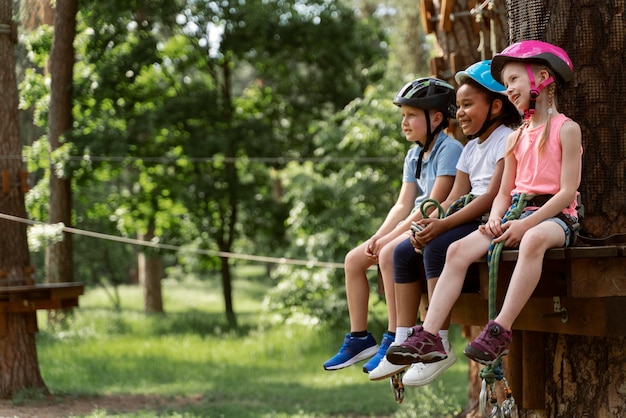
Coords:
pixel 473 105
pixel 515 79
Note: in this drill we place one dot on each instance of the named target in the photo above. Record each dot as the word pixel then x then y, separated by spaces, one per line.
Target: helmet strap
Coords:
pixel 429 140
pixel 534 90
pixel 486 124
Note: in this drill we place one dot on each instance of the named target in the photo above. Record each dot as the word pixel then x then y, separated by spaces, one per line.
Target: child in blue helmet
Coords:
pixel 543 160
pixel 429 169
pixel 486 118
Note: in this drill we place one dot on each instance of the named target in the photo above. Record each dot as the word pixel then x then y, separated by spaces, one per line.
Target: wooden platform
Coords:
pixel 582 291
pixel 40 296
pixel 30 298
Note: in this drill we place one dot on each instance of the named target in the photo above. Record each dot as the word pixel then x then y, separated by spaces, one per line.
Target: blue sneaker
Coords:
pixel 352 351
pixel 382 350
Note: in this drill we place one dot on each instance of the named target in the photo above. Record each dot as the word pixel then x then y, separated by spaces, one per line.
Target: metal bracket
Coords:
pixel 559 311
pixel 556 302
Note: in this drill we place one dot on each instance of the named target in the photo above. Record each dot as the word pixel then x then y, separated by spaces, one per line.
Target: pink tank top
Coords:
pixel 540 172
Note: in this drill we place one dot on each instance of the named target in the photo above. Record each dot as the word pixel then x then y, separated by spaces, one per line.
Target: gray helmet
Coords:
pixel 428 93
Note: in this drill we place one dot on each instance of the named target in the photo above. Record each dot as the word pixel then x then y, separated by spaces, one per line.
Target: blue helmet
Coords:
pixel 480 72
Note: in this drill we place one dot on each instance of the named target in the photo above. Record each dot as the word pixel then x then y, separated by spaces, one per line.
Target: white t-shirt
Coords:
pixel 479 160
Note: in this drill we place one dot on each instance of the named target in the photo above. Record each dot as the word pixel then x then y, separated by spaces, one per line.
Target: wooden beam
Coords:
pixel 594 317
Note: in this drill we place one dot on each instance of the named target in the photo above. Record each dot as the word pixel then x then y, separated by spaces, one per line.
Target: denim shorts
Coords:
pixel 569 238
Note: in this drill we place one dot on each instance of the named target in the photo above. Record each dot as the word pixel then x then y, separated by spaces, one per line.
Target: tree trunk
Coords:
pixel 228 292
pixel 585 377
pixel 150 272
pixel 59 255
pixel 18 353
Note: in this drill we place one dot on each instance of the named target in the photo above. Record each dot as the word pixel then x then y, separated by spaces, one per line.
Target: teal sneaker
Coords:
pixel 382 350
pixel 352 351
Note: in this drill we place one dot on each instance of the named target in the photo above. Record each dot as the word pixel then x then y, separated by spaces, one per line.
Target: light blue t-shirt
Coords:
pixel 441 162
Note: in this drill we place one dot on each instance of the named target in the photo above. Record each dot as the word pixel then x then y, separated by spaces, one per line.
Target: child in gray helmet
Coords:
pixel 426 104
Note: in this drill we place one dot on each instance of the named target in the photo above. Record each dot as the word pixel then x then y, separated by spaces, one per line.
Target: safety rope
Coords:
pixel 431 203
pixel 518 203
pixel 495 372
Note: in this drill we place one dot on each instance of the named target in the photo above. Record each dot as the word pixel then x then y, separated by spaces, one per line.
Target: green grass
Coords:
pixel 249 372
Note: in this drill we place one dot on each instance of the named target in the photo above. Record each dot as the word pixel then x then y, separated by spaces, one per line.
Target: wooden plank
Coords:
pixel 595 317
pixel 445 21
pixel 48 296
pixel 34 305
pixel 598 277
pixel 514 365
pixel 533 371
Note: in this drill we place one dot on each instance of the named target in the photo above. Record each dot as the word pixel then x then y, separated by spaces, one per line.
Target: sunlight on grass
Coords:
pixel 248 372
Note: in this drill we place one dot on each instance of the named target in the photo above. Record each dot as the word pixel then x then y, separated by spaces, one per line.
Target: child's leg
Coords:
pixel 493 342
pixel 359 344
pixel 377 367
pixel 424 344
pixel 435 259
pixel 408 280
pixel 385 262
pixel 357 287
pixel 533 246
pixel 460 255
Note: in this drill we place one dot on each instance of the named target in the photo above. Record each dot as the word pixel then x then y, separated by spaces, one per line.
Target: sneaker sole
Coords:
pixel 446 364
pixel 363 355
pixel 406 358
pixel 480 356
pixel 388 375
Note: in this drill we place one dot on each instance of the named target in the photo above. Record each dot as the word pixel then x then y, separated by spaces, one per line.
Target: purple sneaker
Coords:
pixel 419 346
pixel 490 345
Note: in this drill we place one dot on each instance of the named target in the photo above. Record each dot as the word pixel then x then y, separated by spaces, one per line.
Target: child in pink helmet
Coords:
pixel 543 159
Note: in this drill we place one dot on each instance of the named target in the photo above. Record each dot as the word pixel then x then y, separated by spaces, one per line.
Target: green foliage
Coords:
pixel 245 373
pixel 174 101
pixel 339 202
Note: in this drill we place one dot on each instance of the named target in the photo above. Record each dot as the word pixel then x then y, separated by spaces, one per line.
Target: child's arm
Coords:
pixel 398 212
pixel 502 201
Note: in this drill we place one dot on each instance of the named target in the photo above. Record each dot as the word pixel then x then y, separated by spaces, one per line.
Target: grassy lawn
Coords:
pixel 250 372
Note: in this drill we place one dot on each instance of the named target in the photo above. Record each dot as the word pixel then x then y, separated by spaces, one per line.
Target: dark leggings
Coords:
pixel 408 266
pixel 435 251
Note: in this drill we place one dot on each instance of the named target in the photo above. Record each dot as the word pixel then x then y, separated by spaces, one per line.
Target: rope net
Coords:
pixel 594 35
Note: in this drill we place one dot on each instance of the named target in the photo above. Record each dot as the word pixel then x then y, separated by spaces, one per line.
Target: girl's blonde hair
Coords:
pixel 546 129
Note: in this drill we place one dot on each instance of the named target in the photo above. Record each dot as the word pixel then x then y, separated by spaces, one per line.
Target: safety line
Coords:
pixel 264 259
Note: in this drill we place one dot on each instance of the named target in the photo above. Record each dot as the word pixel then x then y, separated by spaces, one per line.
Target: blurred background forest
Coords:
pixel 223 133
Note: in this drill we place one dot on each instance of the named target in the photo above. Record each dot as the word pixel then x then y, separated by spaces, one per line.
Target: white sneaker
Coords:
pixel 421 374
pixel 386 369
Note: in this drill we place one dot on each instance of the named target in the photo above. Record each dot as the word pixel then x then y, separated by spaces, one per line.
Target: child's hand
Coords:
pixel 512 234
pixel 371 249
pixel 493 227
pixel 416 236
pixel 433 227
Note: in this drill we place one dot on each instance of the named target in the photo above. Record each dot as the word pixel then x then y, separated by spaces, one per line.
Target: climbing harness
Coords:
pixel 495 372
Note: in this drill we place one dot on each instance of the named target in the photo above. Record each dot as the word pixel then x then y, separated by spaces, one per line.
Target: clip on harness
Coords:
pixel 495 372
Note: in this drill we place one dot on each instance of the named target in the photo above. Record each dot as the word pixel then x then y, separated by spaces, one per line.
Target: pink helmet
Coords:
pixel 535 51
